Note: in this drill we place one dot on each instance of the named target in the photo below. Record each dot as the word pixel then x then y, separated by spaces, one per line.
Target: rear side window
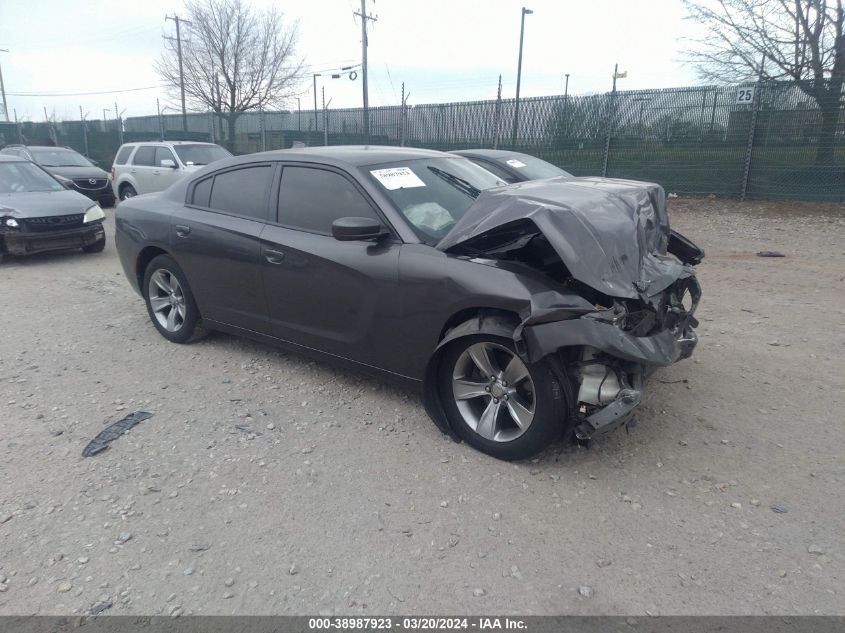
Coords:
pixel 163 153
pixel 202 192
pixel 242 191
pixel 145 156
pixel 123 155
pixel 311 199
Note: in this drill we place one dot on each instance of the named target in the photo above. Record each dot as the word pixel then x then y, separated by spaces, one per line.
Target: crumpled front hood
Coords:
pixel 611 234
pixel 44 204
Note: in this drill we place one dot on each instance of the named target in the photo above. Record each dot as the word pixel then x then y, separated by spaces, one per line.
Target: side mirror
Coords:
pixel 168 162
pixel 353 229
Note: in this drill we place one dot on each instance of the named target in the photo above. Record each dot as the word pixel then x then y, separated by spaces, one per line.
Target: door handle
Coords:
pixel 156 172
pixel 132 171
pixel 274 257
pixel 182 230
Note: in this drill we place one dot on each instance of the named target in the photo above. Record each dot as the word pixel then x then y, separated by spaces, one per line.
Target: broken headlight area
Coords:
pixel 608 392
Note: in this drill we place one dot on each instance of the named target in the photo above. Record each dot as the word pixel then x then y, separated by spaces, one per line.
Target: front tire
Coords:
pixel 170 302
pixel 497 403
pixel 127 191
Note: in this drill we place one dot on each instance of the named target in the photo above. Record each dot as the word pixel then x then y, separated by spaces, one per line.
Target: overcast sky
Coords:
pixel 444 50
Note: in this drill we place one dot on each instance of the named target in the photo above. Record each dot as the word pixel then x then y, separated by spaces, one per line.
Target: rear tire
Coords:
pixel 512 414
pixel 126 191
pixel 170 302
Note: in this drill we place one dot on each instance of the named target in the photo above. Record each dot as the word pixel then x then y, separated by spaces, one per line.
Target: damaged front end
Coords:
pixel 608 243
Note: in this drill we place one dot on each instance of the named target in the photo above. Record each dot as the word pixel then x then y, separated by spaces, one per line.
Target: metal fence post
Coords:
pixel 498 115
pixel 610 122
pixel 749 149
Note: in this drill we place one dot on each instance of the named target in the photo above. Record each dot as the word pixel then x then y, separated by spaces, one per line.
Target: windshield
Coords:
pixel 200 154
pixel 59 157
pixel 432 193
pixel 25 177
pixel 532 168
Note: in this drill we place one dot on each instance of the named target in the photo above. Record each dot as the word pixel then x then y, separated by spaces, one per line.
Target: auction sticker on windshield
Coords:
pixel 513 162
pixel 397 178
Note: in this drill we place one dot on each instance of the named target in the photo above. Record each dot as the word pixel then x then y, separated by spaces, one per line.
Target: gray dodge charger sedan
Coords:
pixel 525 312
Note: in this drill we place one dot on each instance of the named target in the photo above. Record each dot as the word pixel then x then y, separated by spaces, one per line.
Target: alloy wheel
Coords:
pixel 493 392
pixel 167 300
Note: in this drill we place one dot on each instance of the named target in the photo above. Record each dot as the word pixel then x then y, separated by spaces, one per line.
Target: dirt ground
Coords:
pixel 268 483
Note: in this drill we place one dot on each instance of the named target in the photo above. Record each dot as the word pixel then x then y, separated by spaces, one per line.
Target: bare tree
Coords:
pixel 799 40
pixel 235 59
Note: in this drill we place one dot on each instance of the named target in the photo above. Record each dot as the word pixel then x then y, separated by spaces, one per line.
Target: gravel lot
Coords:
pixel 268 483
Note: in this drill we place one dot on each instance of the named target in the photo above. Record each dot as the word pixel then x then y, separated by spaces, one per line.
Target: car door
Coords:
pixel 163 175
pixel 215 239
pixel 142 167
pixel 336 297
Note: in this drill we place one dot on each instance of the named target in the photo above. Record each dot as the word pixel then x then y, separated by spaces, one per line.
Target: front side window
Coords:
pixel 312 199
pixel 20 177
pixel 145 156
pixel 59 157
pixel 163 153
pixel 242 191
pixel 432 193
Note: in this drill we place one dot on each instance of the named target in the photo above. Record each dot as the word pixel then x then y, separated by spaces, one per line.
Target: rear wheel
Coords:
pixel 496 402
pixel 127 191
pixel 170 303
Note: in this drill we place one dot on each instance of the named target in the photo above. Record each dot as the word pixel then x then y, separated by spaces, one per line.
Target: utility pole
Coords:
pixel 519 76
pixel 364 17
pixel 566 88
pixel 160 122
pixel 3 88
pixel 179 20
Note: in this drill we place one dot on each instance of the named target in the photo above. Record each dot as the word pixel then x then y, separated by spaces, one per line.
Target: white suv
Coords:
pixel 154 166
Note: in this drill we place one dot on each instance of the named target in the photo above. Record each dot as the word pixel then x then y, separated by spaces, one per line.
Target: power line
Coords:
pixel 80 94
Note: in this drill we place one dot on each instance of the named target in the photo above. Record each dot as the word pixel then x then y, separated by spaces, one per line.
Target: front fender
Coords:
pixel 486 322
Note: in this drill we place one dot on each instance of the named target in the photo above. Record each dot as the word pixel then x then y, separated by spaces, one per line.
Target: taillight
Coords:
pixel 112 172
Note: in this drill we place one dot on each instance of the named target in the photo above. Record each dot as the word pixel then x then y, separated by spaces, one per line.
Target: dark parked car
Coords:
pixel 512 166
pixel 524 312
pixel 70 168
pixel 38 214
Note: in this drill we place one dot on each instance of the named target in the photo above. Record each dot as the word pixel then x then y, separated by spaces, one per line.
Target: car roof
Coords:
pixel 486 153
pixel 351 155
pixel 11 158
pixel 168 143
pixel 50 147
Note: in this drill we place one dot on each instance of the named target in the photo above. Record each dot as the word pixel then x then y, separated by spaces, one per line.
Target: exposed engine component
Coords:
pixel 599 382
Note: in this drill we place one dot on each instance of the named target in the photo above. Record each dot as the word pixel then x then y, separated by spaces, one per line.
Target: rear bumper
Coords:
pixel 22 243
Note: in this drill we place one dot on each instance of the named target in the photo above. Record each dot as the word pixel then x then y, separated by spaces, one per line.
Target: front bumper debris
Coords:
pixel 27 243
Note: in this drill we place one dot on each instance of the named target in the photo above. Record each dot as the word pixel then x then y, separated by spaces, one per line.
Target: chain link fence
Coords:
pixel 765 140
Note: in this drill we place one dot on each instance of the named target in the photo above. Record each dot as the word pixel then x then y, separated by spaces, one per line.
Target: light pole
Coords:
pixel 316 123
pixel 519 75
